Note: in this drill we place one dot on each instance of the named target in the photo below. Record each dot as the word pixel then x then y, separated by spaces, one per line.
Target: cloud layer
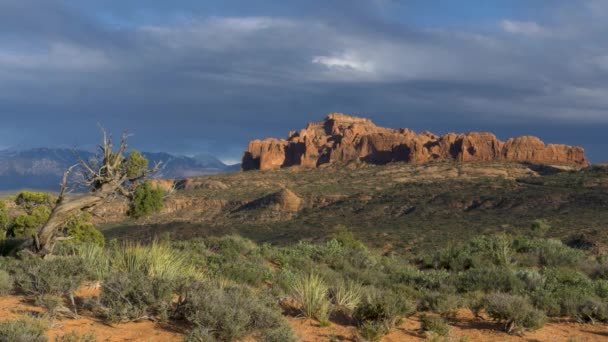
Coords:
pixel 195 79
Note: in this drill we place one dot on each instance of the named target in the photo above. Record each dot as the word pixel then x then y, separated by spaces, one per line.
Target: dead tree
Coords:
pixel 112 174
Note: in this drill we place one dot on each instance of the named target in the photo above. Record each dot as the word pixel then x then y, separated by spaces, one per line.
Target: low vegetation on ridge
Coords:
pixel 228 288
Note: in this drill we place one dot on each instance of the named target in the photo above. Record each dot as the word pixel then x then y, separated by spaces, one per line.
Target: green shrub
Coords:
pixel 4 220
pixel 146 200
pixel 434 324
pixel 515 312
pixel 554 253
pixel 51 303
pixel 23 330
pixel 539 228
pixel 134 295
pixel 373 331
pixel 499 279
pixel 593 310
pixel 60 276
pixel 231 313
pixel 564 290
pixel 6 283
pixel 380 311
pixel 445 304
pixel 311 293
pixel 26 225
pixel 136 164
pixel 81 231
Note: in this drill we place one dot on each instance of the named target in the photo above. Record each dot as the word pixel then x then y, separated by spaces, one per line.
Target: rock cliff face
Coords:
pixel 343 138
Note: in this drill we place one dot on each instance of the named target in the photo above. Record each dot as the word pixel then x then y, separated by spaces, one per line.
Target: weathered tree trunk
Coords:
pixel 114 174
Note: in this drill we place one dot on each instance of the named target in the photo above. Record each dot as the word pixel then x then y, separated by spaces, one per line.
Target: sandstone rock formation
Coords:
pixel 343 138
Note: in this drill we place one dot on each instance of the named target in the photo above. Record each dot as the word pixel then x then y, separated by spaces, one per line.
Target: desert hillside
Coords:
pixel 397 206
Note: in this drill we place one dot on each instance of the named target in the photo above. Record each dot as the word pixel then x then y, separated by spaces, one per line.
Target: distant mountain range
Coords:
pixel 42 168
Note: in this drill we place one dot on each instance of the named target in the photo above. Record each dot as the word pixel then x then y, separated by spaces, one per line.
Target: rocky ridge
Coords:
pixel 342 138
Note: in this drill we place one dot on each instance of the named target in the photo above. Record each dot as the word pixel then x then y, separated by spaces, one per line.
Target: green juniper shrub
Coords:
pixel 37 207
pixel 81 231
pixel 515 312
pixel 231 313
pixel 146 200
pixel 434 324
pixel 136 164
pixel 135 295
pixel 23 330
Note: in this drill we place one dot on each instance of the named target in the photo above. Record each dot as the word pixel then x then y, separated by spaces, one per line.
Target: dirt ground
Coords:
pixel 13 307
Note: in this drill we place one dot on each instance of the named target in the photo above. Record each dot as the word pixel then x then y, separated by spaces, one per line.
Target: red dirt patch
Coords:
pixel 307 330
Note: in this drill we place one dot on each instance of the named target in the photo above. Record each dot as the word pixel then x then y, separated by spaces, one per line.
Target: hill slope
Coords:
pixel 398 206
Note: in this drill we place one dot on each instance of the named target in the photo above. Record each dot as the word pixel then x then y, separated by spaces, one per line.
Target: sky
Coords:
pixel 193 76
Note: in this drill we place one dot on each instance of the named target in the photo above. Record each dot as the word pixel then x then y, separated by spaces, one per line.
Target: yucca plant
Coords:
pixel 346 294
pixel 156 260
pixel 95 258
pixel 311 293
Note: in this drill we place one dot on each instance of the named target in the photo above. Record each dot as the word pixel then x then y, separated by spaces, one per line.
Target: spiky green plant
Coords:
pixel 95 258
pixel 311 292
pixel 346 294
pixel 156 260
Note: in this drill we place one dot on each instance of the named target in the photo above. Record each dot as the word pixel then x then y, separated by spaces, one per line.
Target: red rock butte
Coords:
pixel 342 138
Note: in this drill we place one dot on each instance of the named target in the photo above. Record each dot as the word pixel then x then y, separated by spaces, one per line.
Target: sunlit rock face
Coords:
pixel 342 138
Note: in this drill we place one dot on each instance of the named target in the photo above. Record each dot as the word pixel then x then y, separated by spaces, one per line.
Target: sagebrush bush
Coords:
pixel 231 313
pixel 499 279
pixel 6 283
pixel 434 324
pixel 51 303
pixel 76 337
pixel 311 292
pixel 592 311
pixel 23 330
pixel 134 295
pixel 515 312
pixel 445 304
pixel 60 276
pixel 379 311
pixel 373 331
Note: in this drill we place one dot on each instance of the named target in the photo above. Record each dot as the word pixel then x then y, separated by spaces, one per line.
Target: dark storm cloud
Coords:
pixel 222 75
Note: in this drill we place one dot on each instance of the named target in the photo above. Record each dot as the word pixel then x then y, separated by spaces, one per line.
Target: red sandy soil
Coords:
pixel 13 307
pixel 465 325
